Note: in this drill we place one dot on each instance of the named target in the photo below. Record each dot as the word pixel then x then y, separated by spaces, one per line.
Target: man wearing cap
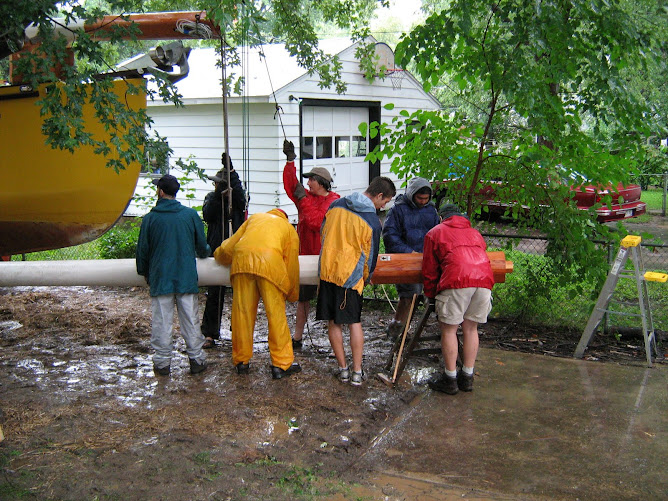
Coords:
pixel 170 238
pixel 263 256
pixel 312 204
pixel 406 224
pixel 458 279
pixel 216 213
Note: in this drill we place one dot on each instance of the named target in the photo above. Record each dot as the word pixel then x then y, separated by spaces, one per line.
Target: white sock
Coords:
pixel 467 370
pixel 450 373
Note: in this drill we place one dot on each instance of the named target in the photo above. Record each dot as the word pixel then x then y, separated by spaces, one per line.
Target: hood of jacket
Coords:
pixel 359 202
pixel 278 212
pixel 457 222
pixel 168 205
pixel 414 185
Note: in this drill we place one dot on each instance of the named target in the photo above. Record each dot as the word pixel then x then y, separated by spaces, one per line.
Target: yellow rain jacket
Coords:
pixel 266 245
pixel 350 238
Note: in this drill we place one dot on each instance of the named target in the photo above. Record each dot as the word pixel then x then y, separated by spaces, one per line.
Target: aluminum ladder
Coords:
pixel 630 246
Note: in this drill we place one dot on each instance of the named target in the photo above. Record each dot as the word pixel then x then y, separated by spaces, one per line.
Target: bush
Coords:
pixel 120 242
pixel 536 293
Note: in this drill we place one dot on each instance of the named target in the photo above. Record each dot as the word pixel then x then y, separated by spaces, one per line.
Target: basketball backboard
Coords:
pixel 385 57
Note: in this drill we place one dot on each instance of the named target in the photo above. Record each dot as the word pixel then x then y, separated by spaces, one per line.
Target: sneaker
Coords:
pixel 357 378
pixel 243 368
pixel 297 344
pixel 464 381
pixel 444 384
pixel 196 367
pixel 278 373
pixel 343 374
pixel 161 371
pixel 394 329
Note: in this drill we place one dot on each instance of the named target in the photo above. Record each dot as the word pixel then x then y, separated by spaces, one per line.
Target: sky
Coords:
pixel 406 12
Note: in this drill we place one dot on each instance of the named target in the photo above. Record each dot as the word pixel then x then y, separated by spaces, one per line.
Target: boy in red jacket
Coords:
pixel 312 205
pixel 458 279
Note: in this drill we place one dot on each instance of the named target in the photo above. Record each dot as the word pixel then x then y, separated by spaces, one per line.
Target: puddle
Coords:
pixel 129 381
pixel 421 375
pixel 9 325
pixel 31 364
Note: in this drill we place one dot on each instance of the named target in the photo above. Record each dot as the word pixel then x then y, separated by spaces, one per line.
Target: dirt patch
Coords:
pixel 84 417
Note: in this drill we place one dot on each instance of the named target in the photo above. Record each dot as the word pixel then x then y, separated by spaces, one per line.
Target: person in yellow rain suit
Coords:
pixel 264 259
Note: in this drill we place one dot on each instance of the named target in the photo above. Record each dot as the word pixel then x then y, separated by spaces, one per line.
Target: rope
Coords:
pixel 279 110
pixel 195 30
pixel 262 56
pixel 226 148
pixel 382 286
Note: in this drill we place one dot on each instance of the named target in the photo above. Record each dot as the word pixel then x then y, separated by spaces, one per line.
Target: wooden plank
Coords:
pixel 407 268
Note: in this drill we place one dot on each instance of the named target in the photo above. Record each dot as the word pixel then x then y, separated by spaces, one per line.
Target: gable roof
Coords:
pixel 277 68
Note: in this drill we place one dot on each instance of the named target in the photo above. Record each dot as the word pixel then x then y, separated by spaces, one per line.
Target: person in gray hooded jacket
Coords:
pixel 406 225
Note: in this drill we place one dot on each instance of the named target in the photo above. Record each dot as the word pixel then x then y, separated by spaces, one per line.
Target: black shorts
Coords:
pixel 407 290
pixel 343 306
pixel 307 292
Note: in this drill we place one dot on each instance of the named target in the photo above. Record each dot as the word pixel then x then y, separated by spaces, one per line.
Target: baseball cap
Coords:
pixel 220 176
pixel 319 171
pixel 168 184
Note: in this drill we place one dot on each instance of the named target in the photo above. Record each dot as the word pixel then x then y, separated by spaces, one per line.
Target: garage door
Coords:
pixel 331 139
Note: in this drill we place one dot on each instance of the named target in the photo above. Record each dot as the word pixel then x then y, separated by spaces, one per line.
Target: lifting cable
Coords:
pixel 263 57
pixel 245 108
pixel 226 141
pixel 279 109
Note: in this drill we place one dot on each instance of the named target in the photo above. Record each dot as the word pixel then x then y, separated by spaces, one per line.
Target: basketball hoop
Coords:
pixel 396 77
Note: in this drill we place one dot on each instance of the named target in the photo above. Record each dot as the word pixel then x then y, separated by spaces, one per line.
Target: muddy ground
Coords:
pixel 84 417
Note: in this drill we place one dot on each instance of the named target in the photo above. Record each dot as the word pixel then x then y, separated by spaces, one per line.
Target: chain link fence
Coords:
pixel 90 250
pixel 561 305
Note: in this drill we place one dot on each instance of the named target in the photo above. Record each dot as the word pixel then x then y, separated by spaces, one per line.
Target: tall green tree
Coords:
pixel 541 100
pixel 292 22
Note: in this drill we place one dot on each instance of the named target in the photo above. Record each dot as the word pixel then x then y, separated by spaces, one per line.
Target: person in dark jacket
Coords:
pixel 406 225
pixel 170 238
pixel 216 213
pixel 458 279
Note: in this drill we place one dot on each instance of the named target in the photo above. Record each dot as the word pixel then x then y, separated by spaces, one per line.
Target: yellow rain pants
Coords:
pixel 248 289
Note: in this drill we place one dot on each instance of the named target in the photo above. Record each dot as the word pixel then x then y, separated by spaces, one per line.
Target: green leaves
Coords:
pixel 291 22
pixel 536 93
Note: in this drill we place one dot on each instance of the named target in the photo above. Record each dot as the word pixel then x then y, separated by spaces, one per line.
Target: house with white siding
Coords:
pixel 323 125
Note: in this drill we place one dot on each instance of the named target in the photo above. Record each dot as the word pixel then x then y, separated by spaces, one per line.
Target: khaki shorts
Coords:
pixel 471 303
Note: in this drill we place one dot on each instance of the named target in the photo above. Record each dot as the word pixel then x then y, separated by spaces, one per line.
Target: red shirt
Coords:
pixel 311 209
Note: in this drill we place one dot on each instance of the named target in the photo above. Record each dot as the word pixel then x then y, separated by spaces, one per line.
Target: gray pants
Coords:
pixel 162 308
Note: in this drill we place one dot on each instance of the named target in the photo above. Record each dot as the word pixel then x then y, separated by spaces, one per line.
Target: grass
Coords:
pixel 653 197
pixel 210 468
pixel 9 489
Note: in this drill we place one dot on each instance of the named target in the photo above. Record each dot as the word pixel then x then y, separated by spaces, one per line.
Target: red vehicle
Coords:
pixel 625 199
pixel 624 205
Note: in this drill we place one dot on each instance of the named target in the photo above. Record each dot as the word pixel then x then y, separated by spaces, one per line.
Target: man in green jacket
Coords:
pixel 170 238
